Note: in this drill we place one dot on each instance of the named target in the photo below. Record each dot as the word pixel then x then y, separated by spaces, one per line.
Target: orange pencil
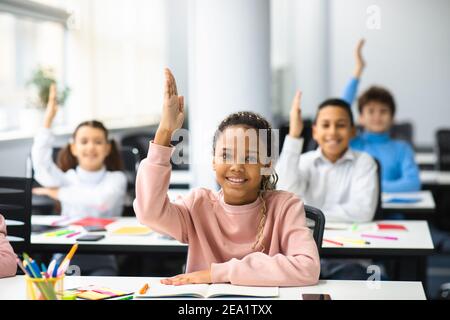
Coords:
pixel 144 289
pixel 70 254
pixel 333 242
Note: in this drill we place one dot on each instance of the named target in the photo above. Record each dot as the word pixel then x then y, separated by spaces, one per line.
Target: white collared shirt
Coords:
pixel 82 193
pixel 346 190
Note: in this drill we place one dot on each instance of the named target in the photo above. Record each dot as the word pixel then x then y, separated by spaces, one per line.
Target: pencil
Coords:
pixel 334 242
pixel 19 263
pixel 70 254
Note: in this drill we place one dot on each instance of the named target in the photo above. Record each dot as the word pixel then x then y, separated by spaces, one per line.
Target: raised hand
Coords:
pixel 360 64
pixel 296 121
pixel 173 111
pixel 52 106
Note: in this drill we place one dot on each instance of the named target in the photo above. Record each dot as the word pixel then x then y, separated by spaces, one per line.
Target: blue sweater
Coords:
pixel 399 170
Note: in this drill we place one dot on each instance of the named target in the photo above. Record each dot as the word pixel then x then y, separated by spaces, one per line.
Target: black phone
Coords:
pixel 316 296
pixel 91 237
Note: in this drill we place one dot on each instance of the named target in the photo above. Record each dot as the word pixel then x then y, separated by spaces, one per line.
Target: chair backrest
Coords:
pixel 131 159
pixel 443 149
pixel 379 210
pixel 15 206
pixel 402 131
pixel 140 141
pixel 309 143
pixel 316 221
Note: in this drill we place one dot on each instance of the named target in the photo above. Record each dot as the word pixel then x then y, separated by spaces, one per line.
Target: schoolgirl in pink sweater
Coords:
pixel 245 234
pixel 8 265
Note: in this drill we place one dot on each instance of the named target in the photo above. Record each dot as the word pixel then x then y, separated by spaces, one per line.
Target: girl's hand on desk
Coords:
pixel 173 111
pixel 49 192
pixel 198 277
pixel 52 107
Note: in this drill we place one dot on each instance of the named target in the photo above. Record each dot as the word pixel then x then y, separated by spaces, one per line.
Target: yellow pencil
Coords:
pixel 70 254
pixel 355 241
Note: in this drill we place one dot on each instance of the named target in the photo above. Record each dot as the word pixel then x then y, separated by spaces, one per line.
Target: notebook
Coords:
pixel 159 290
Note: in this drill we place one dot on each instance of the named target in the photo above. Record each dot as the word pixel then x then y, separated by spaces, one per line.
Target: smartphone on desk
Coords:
pixel 316 296
pixel 91 237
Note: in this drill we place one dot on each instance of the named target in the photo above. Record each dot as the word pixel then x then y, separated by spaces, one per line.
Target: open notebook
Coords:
pixel 159 290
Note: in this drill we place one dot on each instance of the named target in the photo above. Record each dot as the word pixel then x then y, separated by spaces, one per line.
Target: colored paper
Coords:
pixel 98 293
pixel 132 231
pixel 386 226
pixel 93 222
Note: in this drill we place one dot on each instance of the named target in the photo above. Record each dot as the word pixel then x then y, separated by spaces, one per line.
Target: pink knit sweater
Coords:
pixel 8 264
pixel 221 236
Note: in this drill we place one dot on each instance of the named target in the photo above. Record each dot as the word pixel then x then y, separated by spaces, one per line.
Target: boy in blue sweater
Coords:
pixel 376 114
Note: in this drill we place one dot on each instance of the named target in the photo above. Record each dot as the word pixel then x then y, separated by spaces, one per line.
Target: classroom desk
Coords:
pixel 426 160
pixel 415 241
pixel 433 178
pixel 409 252
pixel 110 244
pixel 423 208
pixel 14 288
pixel 412 247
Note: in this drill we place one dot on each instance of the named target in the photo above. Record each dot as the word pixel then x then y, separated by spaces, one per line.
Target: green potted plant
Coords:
pixel 41 80
pixel 38 87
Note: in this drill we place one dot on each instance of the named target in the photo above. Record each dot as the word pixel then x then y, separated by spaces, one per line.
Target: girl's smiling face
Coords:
pixel 237 164
pixel 90 147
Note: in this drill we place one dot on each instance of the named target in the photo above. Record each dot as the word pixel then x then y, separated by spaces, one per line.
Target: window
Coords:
pixel 111 55
pixel 27 43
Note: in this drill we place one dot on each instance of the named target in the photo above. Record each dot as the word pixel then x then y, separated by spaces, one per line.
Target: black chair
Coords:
pixel 140 141
pixel 402 131
pixel 379 210
pixel 316 221
pixel 15 206
pixel 309 143
pixel 131 159
pixel 443 149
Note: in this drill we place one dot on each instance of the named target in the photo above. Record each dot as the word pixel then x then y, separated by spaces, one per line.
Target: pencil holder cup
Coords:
pixel 45 289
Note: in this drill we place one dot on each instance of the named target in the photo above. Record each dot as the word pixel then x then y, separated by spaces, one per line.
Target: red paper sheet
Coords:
pixel 385 226
pixel 93 222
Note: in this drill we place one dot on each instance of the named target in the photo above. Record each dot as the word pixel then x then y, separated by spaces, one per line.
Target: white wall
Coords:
pixel 409 55
pixel 313 44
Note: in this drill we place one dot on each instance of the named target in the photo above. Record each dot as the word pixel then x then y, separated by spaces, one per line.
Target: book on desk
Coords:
pixel 207 291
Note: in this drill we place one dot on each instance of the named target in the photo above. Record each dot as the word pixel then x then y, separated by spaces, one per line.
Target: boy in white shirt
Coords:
pixel 341 182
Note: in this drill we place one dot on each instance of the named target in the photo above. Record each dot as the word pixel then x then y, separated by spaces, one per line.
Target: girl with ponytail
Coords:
pixel 247 233
pixel 86 180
